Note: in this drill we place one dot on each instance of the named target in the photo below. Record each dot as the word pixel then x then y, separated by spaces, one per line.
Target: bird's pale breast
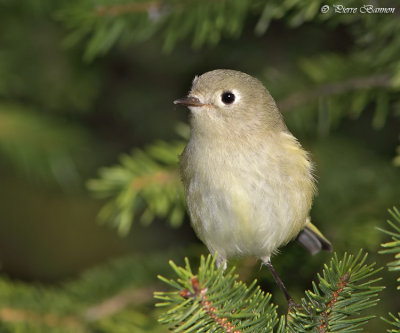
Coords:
pixel 247 200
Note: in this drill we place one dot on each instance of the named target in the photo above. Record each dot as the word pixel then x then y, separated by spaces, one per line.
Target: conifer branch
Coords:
pixel 50 320
pixel 213 301
pixel 208 300
pixel 145 185
pixel 126 8
pixel 208 306
pixel 336 88
pixel 158 178
pixel 393 247
pixel 345 288
pixel 95 312
pixel 394 322
pixel 123 287
pixel 325 316
pixel 118 302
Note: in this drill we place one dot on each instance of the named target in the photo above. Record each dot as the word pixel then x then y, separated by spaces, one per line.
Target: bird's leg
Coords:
pixel 267 262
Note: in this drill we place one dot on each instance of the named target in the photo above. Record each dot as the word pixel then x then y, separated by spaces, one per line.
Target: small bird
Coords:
pixel 248 183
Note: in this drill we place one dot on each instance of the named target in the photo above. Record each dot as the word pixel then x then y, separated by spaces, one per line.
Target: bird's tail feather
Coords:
pixel 313 240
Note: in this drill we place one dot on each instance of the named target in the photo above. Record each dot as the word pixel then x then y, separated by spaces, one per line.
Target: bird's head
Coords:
pixel 229 99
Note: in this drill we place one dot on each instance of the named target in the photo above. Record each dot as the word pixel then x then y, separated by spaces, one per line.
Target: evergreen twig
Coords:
pixel 146 185
pixel 214 301
pixel 211 300
pixel 332 89
pixel 126 8
pixel 393 247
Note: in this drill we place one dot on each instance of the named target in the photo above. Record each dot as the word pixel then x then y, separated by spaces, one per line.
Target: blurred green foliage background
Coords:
pixel 82 82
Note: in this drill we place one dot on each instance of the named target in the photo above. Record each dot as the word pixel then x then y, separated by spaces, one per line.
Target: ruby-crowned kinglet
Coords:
pixel 248 182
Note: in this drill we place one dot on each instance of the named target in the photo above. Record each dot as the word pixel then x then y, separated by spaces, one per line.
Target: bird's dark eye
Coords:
pixel 227 97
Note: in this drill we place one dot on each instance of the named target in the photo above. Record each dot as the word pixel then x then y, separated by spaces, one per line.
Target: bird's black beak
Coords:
pixel 189 101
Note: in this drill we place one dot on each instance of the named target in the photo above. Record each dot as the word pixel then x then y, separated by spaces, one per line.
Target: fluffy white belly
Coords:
pixel 243 204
